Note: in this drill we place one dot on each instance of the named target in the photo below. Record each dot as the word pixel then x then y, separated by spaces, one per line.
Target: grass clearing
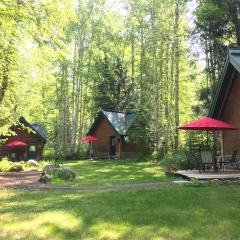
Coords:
pixel 113 172
pixel 210 212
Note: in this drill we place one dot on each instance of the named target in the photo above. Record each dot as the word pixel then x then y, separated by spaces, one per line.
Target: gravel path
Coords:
pixel 29 180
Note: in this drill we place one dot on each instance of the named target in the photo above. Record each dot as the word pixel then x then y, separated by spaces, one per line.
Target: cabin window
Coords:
pixel 126 139
pixel 32 148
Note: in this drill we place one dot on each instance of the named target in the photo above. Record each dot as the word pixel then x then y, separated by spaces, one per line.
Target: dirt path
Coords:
pixel 16 179
pixel 29 180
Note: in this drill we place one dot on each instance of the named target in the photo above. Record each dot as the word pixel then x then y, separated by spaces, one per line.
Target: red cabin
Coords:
pixel 32 134
pixel 111 128
pixel 226 102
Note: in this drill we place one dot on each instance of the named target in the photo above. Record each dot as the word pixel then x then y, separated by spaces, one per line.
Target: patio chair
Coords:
pixel 233 162
pixel 192 163
pixel 207 160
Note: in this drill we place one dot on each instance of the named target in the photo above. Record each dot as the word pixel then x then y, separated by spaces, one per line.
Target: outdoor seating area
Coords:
pixel 230 174
pixel 207 162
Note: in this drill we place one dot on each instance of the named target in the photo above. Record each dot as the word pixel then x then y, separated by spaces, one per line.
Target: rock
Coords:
pixel 49 167
pixel 216 182
pixel 228 181
pixel 32 163
pixel 45 178
pixel 44 164
pixel 181 182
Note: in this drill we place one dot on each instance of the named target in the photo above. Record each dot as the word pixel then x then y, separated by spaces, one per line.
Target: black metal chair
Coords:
pixel 233 162
pixel 192 162
pixel 207 161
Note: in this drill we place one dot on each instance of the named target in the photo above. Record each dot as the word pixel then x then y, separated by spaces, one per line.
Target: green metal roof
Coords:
pixel 38 129
pixel 230 69
pixel 120 121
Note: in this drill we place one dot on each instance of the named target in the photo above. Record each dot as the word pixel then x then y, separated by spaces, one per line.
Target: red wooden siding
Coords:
pixel 25 136
pixel 231 114
pixel 103 131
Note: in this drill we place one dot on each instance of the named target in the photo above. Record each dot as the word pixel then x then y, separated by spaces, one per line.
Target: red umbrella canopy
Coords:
pixel 89 139
pixel 16 143
pixel 208 124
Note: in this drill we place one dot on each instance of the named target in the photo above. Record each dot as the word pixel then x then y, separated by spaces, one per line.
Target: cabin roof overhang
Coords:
pixel 97 121
pixel 230 69
pixel 119 121
pixel 38 131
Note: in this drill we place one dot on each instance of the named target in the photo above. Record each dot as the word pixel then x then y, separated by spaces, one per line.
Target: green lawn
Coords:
pixel 113 172
pixel 211 212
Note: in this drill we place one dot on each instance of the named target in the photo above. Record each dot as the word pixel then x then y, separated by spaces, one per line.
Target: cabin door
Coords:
pixel 112 145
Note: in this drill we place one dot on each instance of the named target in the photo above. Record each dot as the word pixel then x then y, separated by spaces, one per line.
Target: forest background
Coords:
pixel 62 61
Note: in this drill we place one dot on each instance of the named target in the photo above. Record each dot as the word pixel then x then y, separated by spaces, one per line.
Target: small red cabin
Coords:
pixel 111 128
pixel 30 133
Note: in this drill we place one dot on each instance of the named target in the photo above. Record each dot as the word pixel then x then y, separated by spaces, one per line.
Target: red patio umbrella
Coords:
pixel 17 146
pixel 89 139
pixel 209 124
pixel 16 143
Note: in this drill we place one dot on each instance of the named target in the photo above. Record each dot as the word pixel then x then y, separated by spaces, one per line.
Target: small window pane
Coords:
pixel 32 148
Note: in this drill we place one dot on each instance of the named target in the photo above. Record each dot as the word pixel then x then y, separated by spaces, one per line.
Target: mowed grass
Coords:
pixel 113 172
pixel 211 212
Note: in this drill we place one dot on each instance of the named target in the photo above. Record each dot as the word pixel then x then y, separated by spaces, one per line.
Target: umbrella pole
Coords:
pixel 222 148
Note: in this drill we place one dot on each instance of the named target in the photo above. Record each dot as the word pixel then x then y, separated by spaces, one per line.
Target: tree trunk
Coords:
pixel 176 46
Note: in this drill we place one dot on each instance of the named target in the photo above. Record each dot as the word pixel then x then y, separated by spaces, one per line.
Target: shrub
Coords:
pixel 9 166
pixel 65 173
pixel 48 168
pixel 55 171
pixel 178 159
pixel 5 165
pixel 16 167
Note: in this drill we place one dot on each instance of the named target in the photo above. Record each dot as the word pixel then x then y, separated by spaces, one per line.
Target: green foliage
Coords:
pixel 8 166
pixel 16 167
pixel 5 165
pixel 141 133
pixel 61 61
pixel 115 90
pixel 59 172
pixel 176 158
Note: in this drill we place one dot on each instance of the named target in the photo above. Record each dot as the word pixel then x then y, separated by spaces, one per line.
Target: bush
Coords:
pixel 16 167
pixel 9 166
pixel 5 165
pixel 65 173
pixel 48 168
pixel 176 159
pixel 55 171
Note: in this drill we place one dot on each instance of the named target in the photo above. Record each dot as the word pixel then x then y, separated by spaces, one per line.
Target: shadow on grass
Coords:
pixel 110 172
pixel 172 213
